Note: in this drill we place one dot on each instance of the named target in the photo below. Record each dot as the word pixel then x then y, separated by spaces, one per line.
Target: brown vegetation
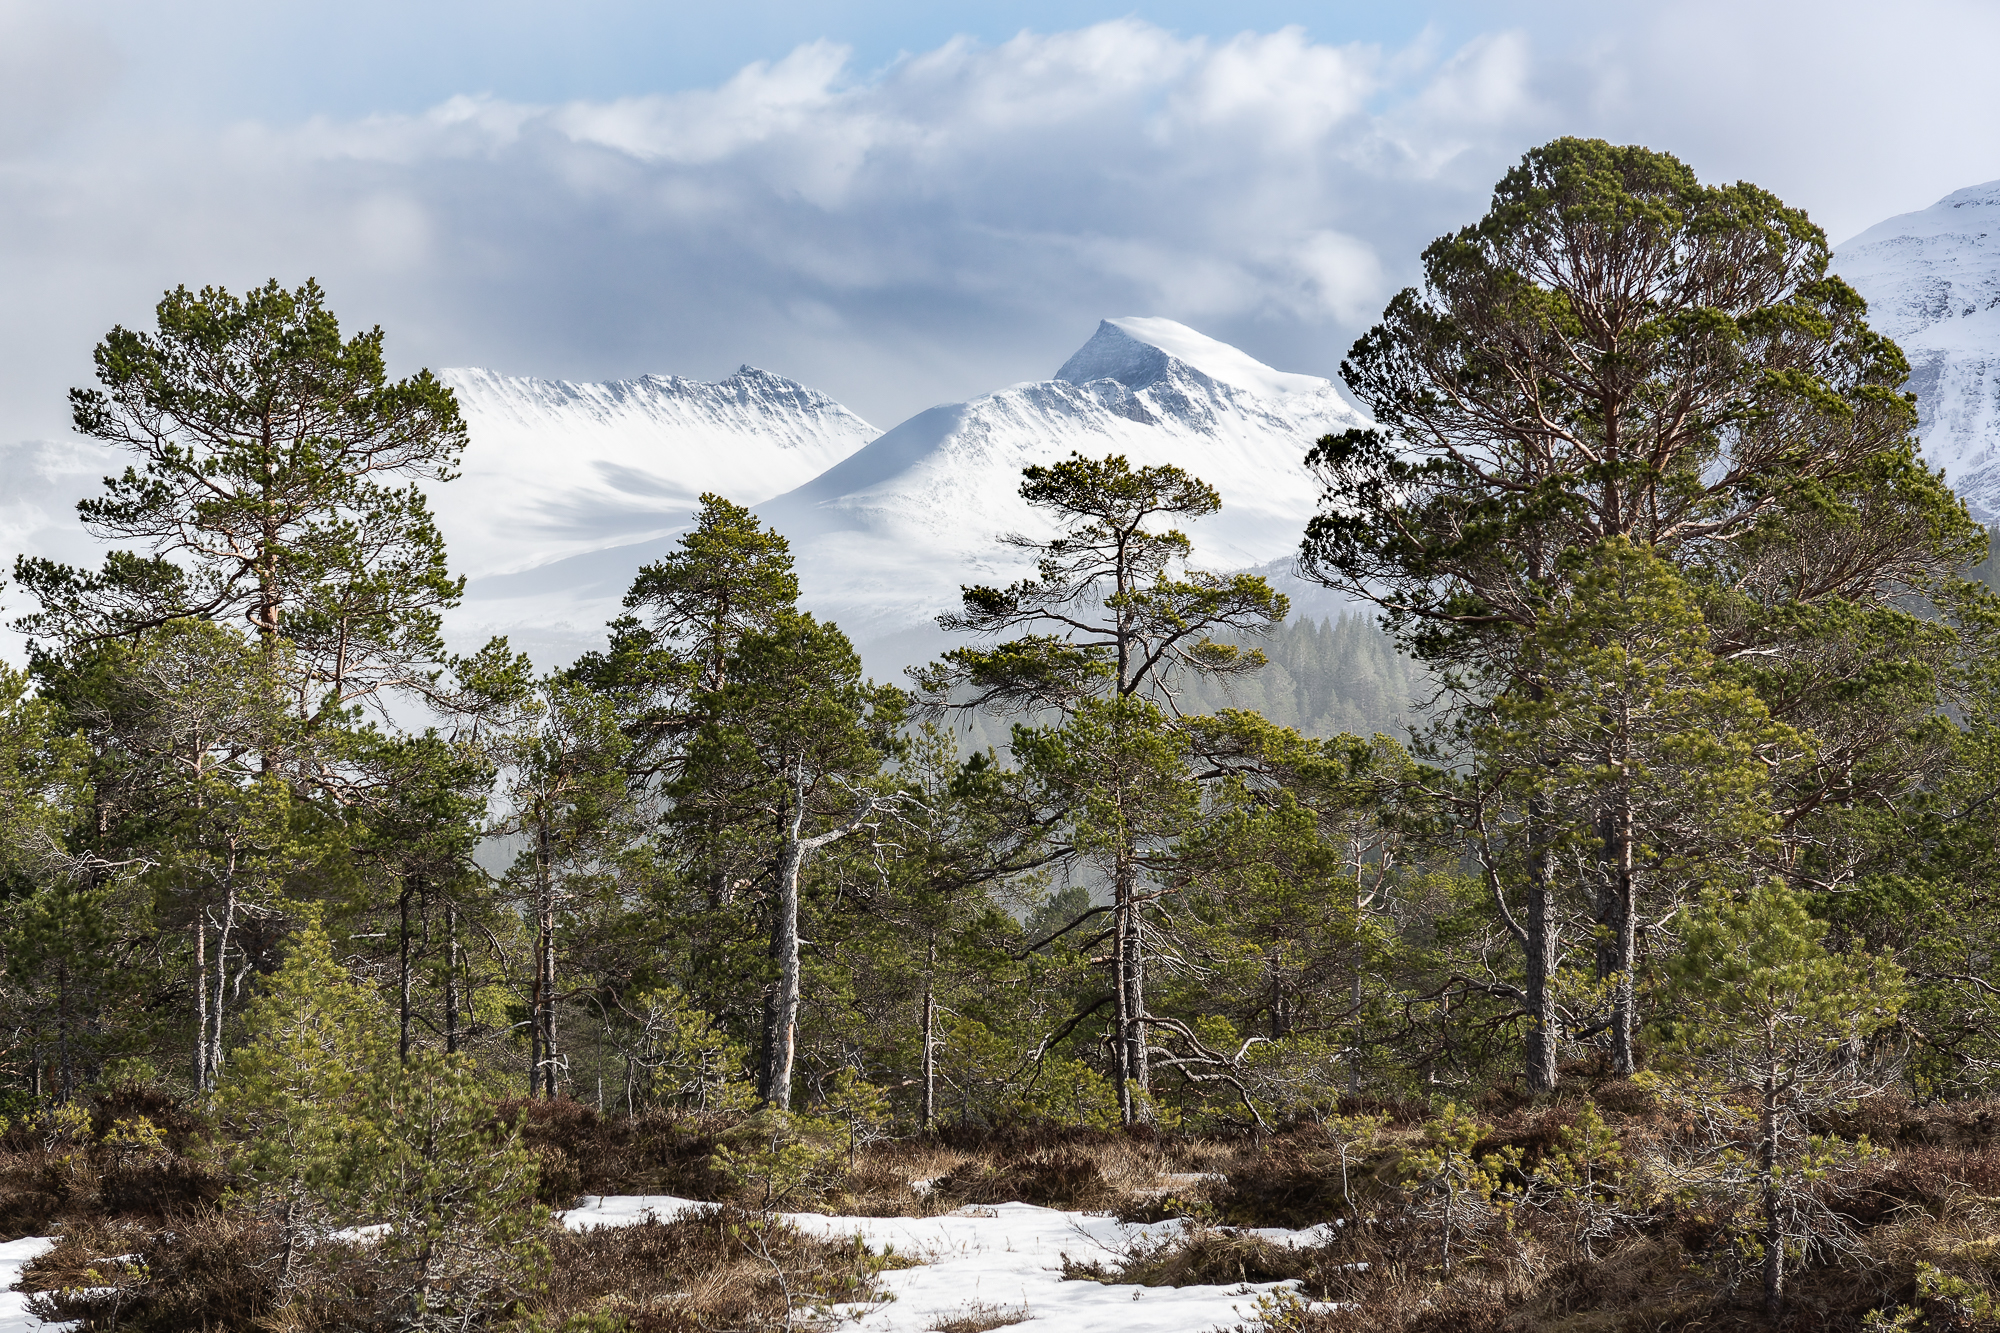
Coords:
pixel 980 1316
pixel 148 1240
pixel 716 1269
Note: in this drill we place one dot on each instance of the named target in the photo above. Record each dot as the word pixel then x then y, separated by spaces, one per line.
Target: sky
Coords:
pixel 897 203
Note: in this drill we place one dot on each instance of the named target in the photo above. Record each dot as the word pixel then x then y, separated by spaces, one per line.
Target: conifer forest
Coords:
pixel 1593 930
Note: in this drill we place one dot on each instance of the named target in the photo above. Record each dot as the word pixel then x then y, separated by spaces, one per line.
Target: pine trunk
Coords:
pixel 1774 1237
pixel 1539 1047
pixel 782 1029
pixel 930 1038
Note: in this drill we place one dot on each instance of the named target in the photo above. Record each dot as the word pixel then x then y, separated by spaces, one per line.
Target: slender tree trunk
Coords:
pixel 1128 983
pixel 403 976
pixel 1625 936
pixel 1121 1011
pixel 1134 949
pixel 930 1037
pixel 782 1031
pixel 1618 902
pixel 68 1083
pixel 541 1028
pixel 1774 1237
pixel 1539 1046
pixel 781 1010
pixel 221 979
pixel 547 966
pixel 450 976
pixel 288 1262
pixel 200 1002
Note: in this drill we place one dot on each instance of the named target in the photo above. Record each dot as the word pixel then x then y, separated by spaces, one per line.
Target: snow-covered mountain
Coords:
pixel 1932 281
pixel 885 538
pixel 889 535
pixel 566 489
pixel 555 468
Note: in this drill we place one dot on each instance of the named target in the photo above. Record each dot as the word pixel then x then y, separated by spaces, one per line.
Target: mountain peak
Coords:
pixel 1136 350
pixel 1932 282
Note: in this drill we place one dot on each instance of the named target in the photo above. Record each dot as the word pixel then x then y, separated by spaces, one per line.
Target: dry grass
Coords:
pixel 979 1316
pixel 210 1271
pixel 1203 1257
pixel 713 1270
pixel 1933 1199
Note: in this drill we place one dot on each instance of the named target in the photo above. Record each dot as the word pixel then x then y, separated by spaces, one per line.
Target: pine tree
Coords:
pixel 264 449
pixel 1618 351
pixel 44 784
pixel 184 730
pixel 1114 621
pixel 1117 610
pixel 784 759
pixel 1119 783
pixel 1625 746
pixel 571 804
pixel 298 1096
pixel 1758 998
pixel 455 1190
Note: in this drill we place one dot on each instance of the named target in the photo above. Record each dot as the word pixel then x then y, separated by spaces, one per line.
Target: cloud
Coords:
pixel 957 219
pixel 1049 179
pixel 54 70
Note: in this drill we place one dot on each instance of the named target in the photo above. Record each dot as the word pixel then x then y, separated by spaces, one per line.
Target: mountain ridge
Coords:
pixel 557 467
pixel 1932 282
pixel 884 537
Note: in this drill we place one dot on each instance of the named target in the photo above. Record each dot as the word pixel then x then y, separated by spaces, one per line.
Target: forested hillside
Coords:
pixel 1326 678
pixel 1323 678
pixel 1644 975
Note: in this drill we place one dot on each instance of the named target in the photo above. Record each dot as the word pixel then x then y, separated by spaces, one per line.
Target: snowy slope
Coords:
pixel 555 468
pixel 1932 281
pixel 566 489
pixel 900 525
pixel 885 538
pixel 552 469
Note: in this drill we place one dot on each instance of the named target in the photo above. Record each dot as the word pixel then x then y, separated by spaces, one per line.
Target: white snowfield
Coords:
pixel 15 1255
pixel 1932 281
pixel 1009 1256
pixel 554 468
pixel 887 532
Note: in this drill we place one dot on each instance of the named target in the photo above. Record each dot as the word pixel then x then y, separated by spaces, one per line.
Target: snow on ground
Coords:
pixel 14 1256
pixel 1009 1256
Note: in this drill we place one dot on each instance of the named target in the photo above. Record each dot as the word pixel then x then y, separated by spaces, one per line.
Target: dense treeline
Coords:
pixel 1676 763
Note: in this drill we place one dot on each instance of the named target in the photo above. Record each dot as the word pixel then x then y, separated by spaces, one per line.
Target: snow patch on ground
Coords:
pixel 1009 1255
pixel 16 1255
